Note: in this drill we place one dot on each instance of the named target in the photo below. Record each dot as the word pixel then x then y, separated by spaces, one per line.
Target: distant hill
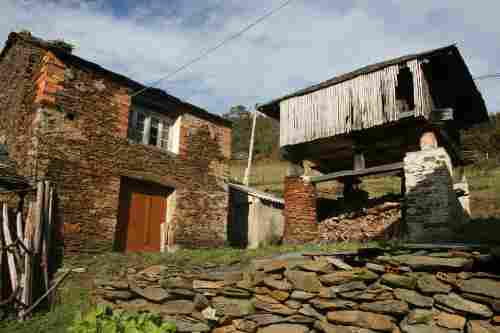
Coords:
pixel 266 134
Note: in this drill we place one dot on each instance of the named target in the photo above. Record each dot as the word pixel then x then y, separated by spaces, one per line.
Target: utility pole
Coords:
pixel 246 179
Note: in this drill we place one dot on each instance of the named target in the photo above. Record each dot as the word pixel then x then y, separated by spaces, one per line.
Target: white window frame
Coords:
pixel 173 129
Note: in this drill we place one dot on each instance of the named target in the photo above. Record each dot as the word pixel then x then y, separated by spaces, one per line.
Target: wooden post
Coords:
pixel 38 223
pixel 8 242
pixel 45 234
pixel 19 228
pixel 28 269
pixel 37 241
pixel 246 179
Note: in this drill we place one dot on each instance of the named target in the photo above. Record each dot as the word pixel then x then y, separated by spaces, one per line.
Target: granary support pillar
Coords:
pixel 432 210
pixel 301 225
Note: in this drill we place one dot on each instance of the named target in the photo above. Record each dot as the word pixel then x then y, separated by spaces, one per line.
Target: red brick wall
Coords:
pixel 301 225
pixel 88 153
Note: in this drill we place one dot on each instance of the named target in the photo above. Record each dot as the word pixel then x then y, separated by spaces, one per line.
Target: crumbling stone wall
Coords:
pixel 432 209
pixel 77 121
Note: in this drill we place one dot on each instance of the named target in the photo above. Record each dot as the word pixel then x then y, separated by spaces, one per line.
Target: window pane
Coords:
pixel 136 129
pixel 153 132
pixel 164 135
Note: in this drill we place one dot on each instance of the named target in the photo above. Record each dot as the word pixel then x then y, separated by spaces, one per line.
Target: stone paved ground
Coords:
pixel 415 289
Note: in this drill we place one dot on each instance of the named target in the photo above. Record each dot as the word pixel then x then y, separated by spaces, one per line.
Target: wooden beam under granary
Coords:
pixel 369 120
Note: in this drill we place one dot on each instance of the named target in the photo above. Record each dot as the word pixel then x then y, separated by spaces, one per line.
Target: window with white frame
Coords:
pixel 151 128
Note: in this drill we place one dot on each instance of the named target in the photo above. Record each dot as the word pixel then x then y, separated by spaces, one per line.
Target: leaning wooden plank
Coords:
pixel 19 228
pixel 45 235
pixel 36 272
pixel 50 245
pixel 48 292
pixel 2 255
pixel 38 222
pixel 27 277
pixel 8 242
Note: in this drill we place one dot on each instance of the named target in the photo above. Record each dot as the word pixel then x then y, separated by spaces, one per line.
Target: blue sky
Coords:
pixel 307 42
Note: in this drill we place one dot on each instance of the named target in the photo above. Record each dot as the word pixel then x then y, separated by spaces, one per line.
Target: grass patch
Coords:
pixel 72 299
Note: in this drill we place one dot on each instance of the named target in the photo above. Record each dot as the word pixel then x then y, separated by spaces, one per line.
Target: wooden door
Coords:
pixel 143 210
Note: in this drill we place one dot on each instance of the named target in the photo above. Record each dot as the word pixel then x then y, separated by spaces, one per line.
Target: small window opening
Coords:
pixel 71 116
pixel 404 89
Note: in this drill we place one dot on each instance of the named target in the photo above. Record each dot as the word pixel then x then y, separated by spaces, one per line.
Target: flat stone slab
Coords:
pixel 232 307
pixel 429 284
pixel 451 321
pixel 301 295
pixel 484 287
pixel 390 307
pixel 277 284
pixel 308 310
pixel 285 328
pixel 426 263
pixel 355 285
pixel 460 304
pixel 348 276
pixel 368 320
pixel 399 281
pixel 264 319
pixel 479 326
pixel 332 304
pixel 276 308
pixel 329 328
pixel 317 266
pixel 306 281
pixel 414 298
pixel 153 294
pixel 177 307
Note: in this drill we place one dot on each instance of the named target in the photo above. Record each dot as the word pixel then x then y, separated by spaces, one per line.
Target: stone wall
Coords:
pixel 432 209
pixel 417 289
pixel 301 222
pixel 18 69
pixel 71 127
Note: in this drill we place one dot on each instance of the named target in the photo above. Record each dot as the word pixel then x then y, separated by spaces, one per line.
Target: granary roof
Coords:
pixel 154 96
pixel 271 108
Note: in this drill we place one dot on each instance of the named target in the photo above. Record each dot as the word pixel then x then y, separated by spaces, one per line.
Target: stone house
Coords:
pixel 145 173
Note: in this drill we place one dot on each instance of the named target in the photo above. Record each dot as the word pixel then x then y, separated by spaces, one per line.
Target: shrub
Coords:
pixel 103 320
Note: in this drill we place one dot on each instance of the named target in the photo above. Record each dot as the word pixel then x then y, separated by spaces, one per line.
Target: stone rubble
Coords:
pixel 407 290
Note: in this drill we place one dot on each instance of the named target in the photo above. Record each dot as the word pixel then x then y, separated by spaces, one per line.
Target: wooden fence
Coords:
pixel 27 252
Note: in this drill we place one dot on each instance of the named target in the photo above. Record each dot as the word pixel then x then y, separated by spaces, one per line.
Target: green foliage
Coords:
pixel 103 320
pixel 484 140
pixel 266 132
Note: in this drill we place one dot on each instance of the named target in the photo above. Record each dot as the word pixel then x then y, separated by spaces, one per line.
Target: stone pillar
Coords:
pixel 301 225
pixel 432 209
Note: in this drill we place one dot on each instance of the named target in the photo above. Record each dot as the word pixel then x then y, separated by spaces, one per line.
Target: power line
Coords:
pixel 216 47
pixel 487 76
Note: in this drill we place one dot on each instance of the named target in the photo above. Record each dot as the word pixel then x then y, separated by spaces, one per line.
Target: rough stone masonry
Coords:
pixel 410 290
